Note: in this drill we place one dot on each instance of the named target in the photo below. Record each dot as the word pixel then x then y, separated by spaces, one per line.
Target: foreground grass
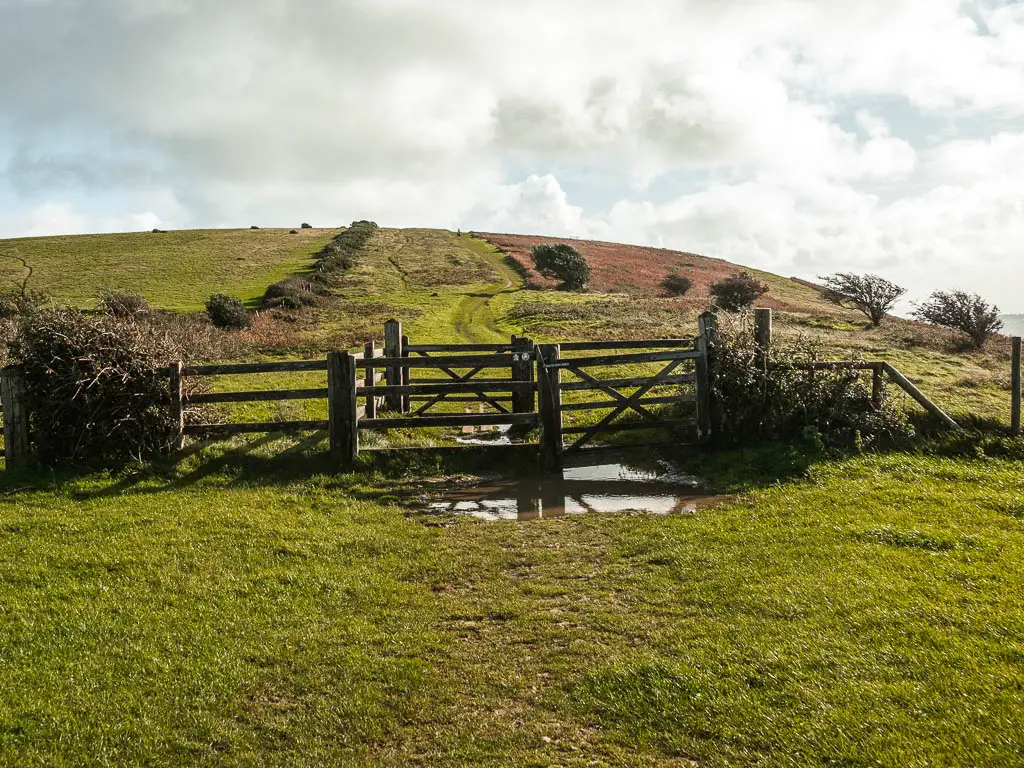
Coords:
pixel 867 613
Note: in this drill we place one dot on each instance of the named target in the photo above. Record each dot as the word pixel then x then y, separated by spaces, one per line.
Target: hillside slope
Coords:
pixel 174 270
pixel 450 288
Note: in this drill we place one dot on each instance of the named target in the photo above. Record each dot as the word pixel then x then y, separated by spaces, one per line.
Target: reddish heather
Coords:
pixel 617 267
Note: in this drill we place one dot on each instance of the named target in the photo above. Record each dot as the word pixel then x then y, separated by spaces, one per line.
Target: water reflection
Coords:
pixel 578 490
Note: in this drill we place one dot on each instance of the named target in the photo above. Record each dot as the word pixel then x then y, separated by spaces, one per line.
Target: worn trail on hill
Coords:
pixel 472 318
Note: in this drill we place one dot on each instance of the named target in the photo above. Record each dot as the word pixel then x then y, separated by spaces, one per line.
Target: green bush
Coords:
pixel 737 292
pixel 563 262
pixel 293 293
pixel 15 302
pixel 758 398
pixel 227 312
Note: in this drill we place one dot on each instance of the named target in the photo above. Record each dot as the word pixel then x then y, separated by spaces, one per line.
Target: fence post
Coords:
pixel 371 400
pixel 341 407
pixel 549 380
pixel 406 375
pixel 707 340
pixel 393 373
pixel 1015 387
pixel 522 372
pixel 763 331
pixel 17 448
pixel 177 405
pixel 877 385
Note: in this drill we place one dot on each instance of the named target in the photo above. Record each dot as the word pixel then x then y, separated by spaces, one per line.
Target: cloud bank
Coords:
pixel 800 136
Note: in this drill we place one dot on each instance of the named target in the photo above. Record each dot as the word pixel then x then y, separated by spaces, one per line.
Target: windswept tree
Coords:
pixel 961 311
pixel 873 295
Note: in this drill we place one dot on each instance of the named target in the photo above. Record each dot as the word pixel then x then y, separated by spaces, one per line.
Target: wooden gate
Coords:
pixel 660 388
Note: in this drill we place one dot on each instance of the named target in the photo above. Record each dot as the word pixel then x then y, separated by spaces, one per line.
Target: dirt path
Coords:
pixel 472 318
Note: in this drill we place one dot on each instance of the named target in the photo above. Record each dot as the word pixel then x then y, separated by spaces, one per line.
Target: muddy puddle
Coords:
pixel 611 487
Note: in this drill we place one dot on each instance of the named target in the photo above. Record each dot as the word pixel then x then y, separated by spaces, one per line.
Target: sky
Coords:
pixel 802 137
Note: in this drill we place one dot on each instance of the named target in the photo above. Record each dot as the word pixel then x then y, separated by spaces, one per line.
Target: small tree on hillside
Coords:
pixel 738 292
pixel 961 311
pixel 870 294
pixel 564 262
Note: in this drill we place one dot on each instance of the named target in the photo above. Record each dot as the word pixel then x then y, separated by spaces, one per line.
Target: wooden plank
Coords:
pixel 877 385
pixel 631 359
pixel 763 330
pixel 461 398
pixel 235 368
pixel 604 404
pixel 420 348
pixel 449 361
pixel 637 381
pixel 829 365
pixel 453 387
pixel 254 427
pixel 454 420
pixel 905 384
pixel 549 406
pixel 573 346
pixel 446 378
pixel 703 387
pixel 258 396
pixel 177 405
pixel 1015 383
pixel 631 426
pixel 709 407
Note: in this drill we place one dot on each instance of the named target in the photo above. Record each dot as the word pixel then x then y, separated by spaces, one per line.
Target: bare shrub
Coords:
pixel 737 291
pixel 123 304
pixel 97 387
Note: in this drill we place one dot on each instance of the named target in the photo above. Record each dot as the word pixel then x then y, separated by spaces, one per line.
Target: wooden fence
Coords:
pixel 574 392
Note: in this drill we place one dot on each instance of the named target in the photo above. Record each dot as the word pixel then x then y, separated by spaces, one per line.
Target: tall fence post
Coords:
pixel 17 448
pixel 549 381
pixel 406 376
pixel 177 405
pixel 522 372
pixel 1015 387
pixel 371 400
pixel 341 407
pixel 393 373
pixel 763 331
pixel 707 340
pixel 877 384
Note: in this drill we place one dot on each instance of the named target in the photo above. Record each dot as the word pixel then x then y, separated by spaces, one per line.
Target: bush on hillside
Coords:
pixel 737 292
pixel 676 284
pixel 764 399
pixel 227 312
pixel 564 262
pixel 97 388
pixel 123 304
pixel 967 313
pixel 306 226
pixel 293 293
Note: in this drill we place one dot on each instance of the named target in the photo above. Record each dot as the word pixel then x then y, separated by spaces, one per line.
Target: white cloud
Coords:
pixel 269 111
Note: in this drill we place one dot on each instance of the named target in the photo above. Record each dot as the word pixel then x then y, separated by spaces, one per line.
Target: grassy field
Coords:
pixel 251 606
pixel 175 270
pixel 866 613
